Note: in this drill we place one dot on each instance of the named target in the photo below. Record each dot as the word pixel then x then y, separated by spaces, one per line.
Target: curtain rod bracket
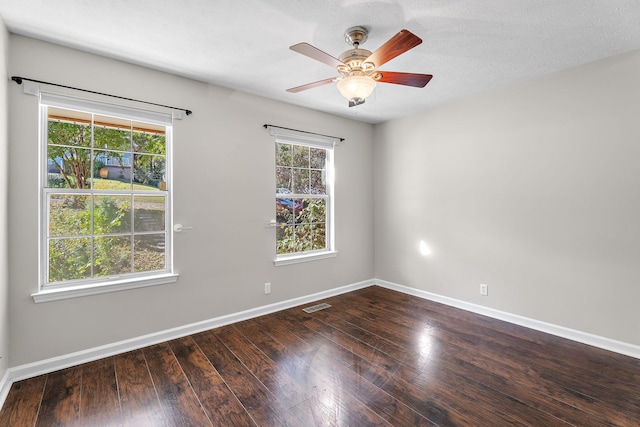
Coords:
pixel 19 80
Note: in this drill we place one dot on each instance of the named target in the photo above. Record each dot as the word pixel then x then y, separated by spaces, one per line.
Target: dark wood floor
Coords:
pixel 376 357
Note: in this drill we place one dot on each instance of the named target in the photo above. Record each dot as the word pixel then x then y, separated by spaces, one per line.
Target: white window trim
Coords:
pixel 316 141
pixel 56 294
pixel 167 276
pixel 288 259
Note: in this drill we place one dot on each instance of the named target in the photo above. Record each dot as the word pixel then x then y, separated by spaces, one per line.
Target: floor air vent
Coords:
pixel 316 307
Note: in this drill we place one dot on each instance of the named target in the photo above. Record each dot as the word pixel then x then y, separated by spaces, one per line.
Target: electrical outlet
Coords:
pixel 267 288
pixel 484 289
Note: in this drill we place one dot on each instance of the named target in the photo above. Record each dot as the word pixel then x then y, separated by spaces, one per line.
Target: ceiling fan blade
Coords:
pixel 407 79
pixel 311 85
pixel 315 53
pixel 396 45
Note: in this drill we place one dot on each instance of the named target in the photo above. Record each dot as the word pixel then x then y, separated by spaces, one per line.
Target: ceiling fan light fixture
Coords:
pixel 356 87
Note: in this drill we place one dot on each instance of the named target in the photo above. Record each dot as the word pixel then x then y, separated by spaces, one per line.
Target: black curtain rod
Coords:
pixel 19 80
pixel 303 131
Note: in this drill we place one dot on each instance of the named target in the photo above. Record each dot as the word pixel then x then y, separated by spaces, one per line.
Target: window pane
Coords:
pixel 68 132
pixel 145 142
pixel 317 182
pixel 149 172
pixel 300 181
pixel 112 133
pixel 69 215
pixel 302 225
pixel 318 236
pixel 318 158
pixel 303 237
pixel 149 213
pixel 112 214
pixel 69 259
pixel 112 255
pixel 68 167
pixel 112 166
pixel 286 210
pixel 149 252
pixel 285 240
pixel 284 180
pixel 313 211
pixel 283 154
pixel 300 156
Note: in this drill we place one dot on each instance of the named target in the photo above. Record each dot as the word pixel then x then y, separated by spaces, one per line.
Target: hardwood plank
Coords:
pixel 313 412
pixel 254 396
pixel 430 407
pixel 61 399
pixel 99 403
pixel 22 403
pixel 138 399
pixel 326 401
pixel 219 402
pixel 179 403
pixel 278 344
pixel 363 350
pixel 287 390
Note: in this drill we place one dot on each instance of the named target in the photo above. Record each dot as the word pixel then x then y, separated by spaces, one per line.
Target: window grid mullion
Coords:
pixel 93 201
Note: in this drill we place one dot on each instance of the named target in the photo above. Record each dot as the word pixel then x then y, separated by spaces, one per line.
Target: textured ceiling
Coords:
pixel 469 46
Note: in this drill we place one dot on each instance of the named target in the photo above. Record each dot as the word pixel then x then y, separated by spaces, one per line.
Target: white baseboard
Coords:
pixel 5 386
pixel 560 331
pixel 41 367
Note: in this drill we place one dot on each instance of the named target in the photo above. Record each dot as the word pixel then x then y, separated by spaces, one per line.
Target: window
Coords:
pixel 105 195
pixel 304 198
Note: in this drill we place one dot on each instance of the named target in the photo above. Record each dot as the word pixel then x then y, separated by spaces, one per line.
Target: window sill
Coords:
pixel 102 288
pixel 298 258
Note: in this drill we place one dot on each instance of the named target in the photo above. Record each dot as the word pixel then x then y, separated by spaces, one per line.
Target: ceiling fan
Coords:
pixel 358 68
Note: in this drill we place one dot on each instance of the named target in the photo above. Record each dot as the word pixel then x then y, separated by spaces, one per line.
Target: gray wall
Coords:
pixel 224 184
pixel 532 190
pixel 4 203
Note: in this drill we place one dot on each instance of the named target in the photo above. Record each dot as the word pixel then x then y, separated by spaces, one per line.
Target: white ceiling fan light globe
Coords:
pixel 356 87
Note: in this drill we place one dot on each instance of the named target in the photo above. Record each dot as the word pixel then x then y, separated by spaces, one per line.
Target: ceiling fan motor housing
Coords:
pixel 354 59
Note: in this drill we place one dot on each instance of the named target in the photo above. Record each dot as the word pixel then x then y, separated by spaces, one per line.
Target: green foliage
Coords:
pixel 71 257
pixel 111 139
pixel 305 229
pixel 55 180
